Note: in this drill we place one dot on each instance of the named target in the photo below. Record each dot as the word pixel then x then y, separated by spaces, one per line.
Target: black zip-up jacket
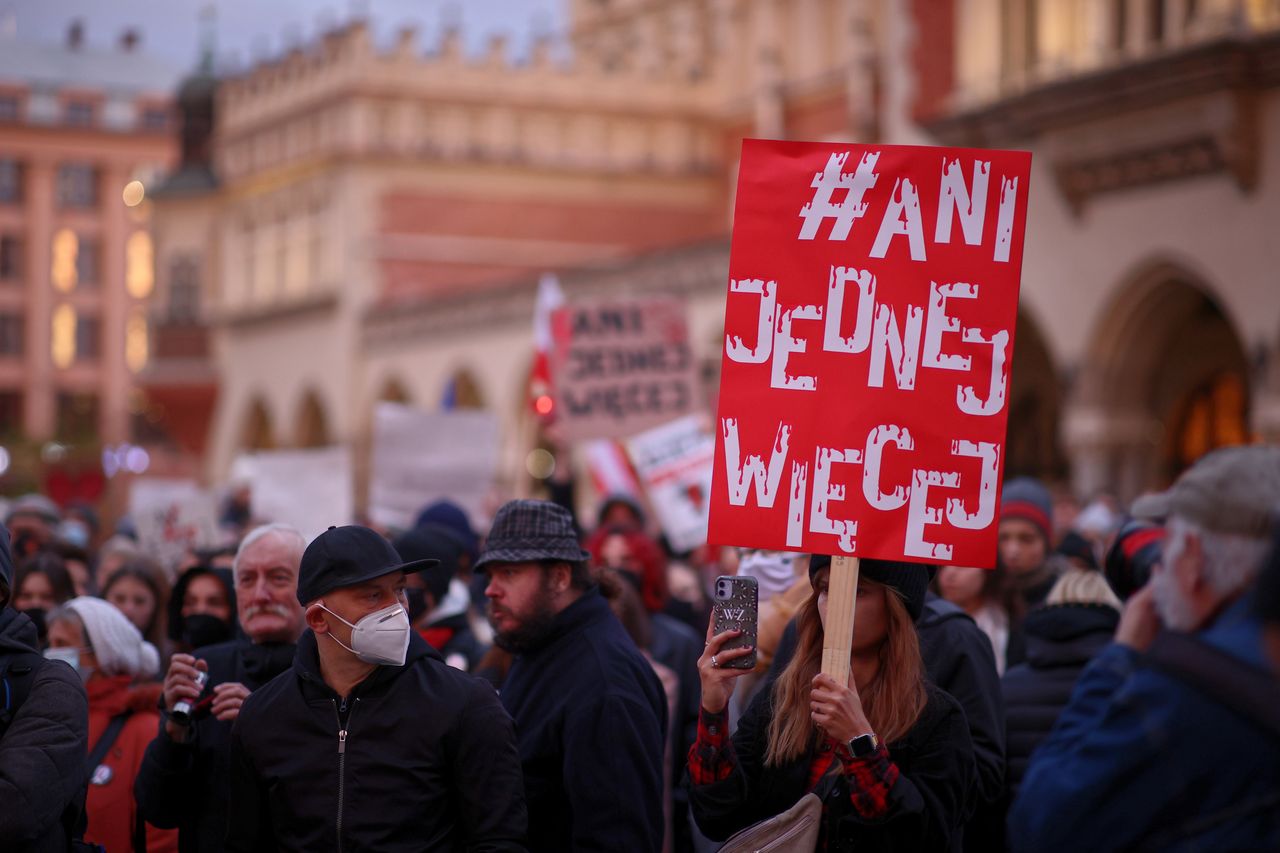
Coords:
pixel 186 785
pixel 425 761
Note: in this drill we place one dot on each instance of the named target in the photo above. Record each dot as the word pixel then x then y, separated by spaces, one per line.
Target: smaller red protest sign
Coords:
pixel 869 323
pixel 621 366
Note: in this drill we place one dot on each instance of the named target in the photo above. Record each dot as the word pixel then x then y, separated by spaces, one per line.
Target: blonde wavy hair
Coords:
pixel 893 701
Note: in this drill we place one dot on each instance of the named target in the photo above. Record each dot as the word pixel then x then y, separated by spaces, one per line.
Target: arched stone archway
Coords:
pixel 258 432
pixel 1165 380
pixel 393 391
pixel 312 423
pixel 1034 447
pixel 462 391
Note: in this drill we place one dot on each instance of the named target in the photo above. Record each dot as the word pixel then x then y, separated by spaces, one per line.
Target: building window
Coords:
pixel 77 185
pixel 184 292
pixel 77 416
pixel 137 339
pixel 62 338
pixel 88 338
pixel 80 113
pixel 10 258
pixel 155 119
pixel 10 108
pixel 10 413
pixel 11 334
pixel 62 271
pixel 1119 25
pixel 10 181
pixel 1155 21
pixel 88 262
pixel 139 275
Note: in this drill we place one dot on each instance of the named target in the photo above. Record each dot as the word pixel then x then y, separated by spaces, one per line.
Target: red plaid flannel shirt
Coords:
pixel 870 778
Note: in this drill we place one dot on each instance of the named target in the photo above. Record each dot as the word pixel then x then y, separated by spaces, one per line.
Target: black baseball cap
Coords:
pixel 346 556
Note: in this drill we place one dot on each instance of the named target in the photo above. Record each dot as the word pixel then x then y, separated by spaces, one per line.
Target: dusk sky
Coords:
pixel 250 28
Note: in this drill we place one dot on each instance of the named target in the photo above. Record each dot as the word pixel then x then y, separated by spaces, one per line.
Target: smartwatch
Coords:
pixel 863 745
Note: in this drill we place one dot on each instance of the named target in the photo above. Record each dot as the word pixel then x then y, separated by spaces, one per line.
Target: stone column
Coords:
pixel 1112 451
pixel 116 380
pixel 1265 398
pixel 38 408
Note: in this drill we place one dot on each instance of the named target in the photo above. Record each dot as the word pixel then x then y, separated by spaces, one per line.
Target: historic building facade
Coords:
pixel 84 131
pixel 382 215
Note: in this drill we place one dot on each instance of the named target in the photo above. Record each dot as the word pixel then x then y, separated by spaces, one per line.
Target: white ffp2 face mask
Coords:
pixel 382 637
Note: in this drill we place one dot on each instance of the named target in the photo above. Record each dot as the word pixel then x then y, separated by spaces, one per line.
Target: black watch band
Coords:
pixel 863 745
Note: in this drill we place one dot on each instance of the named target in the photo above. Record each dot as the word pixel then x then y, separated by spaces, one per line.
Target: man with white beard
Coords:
pixel 1164 744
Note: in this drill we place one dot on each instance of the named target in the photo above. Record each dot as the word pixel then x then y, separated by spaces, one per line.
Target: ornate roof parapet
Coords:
pixel 343 96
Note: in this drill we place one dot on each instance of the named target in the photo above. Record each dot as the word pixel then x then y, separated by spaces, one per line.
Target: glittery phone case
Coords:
pixel 737 608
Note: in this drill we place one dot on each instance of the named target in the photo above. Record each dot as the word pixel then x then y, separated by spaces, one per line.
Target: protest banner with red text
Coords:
pixel 869 324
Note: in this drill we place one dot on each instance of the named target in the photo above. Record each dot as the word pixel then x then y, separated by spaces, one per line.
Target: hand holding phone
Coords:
pixel 737 608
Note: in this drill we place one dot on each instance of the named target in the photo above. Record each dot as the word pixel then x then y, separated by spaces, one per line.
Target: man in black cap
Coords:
pixel 44 729
pixel 370 741
pixel 591 713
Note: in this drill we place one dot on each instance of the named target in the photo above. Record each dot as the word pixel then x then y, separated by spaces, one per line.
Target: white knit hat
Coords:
pixel 117 644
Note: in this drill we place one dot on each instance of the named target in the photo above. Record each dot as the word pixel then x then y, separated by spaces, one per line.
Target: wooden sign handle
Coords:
pixel 837 638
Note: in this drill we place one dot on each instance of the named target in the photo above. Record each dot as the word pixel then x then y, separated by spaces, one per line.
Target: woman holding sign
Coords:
pixel 889 754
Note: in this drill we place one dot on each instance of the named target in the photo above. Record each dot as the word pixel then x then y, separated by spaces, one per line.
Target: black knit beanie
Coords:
pixel 911 580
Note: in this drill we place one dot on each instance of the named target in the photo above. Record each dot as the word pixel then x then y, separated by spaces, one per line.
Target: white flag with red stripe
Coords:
pixel 549 298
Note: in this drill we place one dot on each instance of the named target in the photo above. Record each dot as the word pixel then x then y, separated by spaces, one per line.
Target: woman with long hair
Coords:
pixel 890 752
pixel 990 598
pixel 139 589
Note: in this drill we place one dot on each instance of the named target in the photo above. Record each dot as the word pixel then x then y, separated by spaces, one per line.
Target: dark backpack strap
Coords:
pixel 105 742
pixel 1249 691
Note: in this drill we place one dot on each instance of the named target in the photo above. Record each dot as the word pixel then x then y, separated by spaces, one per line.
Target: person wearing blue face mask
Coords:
pixel 371 741
pixel 44 733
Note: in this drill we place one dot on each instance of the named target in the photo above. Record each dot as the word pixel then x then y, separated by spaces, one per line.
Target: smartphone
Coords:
pixel 737 608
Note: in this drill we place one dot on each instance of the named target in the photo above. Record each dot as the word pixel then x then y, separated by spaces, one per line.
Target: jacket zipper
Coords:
pixel 342 760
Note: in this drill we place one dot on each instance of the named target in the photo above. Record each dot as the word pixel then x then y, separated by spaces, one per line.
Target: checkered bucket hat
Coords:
pixel 526 531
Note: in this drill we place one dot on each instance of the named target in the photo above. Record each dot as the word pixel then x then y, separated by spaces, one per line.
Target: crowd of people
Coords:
pixel 557 685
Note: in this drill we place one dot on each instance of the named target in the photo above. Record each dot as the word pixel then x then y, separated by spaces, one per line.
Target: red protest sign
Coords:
pixel 869 327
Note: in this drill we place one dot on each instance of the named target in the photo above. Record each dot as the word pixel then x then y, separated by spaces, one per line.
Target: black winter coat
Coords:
pixel 958 659
pixel 592 720
pixel 927 805
pixel 426 761
pixel 43 751
pixel 1060 640
pixel 187 785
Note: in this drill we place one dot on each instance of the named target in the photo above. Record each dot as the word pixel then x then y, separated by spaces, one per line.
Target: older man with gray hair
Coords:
pixel 1165 744
pixel 184 780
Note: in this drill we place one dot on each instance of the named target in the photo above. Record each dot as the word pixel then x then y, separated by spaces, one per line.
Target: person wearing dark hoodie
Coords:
pixel 184 780
pixel 1077 620
pixel 371 741
pixel 44 734
pixel 202 609
pixel 439 604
